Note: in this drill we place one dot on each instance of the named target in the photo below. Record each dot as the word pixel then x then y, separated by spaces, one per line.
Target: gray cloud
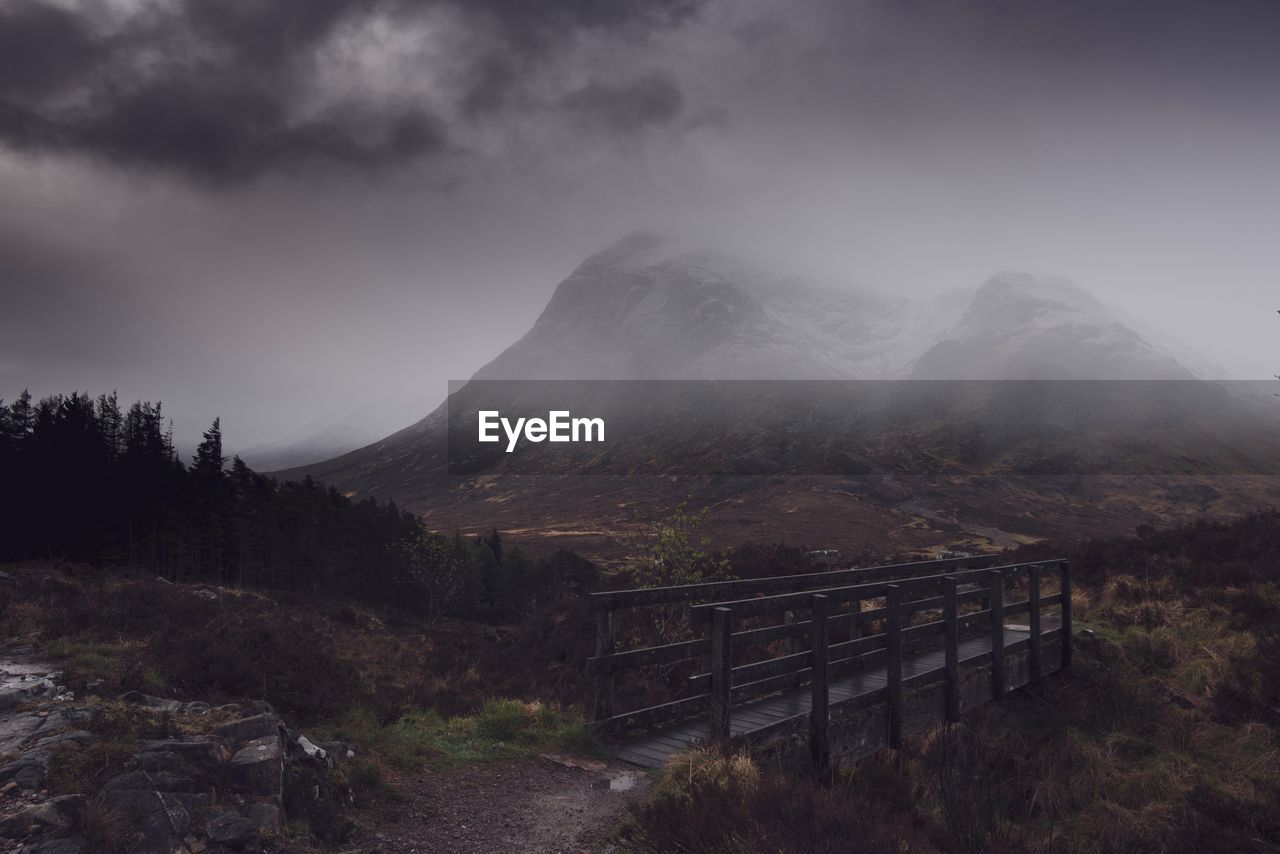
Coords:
pixel 226 91
pixel 625 108
pixel 283 211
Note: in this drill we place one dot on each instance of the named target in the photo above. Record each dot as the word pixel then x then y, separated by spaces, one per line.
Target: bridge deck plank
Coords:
pixel 653 748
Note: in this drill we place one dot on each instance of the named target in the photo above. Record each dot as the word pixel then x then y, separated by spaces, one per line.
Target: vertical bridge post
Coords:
pixel 604 646
pixel 819 741
pixel 1033 595
pixel 951 629
pixel 1064 589
pixel 998 682
pixel 721 671
pixel 893 662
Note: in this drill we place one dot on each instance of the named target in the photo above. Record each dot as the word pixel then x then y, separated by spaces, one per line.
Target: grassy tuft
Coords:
pixel 502 729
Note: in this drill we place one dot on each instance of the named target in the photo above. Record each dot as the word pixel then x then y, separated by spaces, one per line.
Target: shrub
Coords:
pixel 708 802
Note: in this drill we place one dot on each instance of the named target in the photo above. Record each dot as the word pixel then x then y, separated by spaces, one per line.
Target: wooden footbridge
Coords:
pixel 833 664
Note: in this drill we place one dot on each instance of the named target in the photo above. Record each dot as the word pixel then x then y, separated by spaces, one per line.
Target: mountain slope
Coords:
pixel 644 309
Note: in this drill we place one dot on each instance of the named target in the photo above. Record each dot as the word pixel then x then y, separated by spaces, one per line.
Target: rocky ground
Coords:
pixel 142 773
pixel 549 804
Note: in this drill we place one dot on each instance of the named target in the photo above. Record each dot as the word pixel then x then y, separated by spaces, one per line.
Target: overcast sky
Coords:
pixel 283 212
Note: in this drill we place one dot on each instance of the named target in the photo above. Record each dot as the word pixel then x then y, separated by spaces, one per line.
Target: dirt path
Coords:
pixel 536 805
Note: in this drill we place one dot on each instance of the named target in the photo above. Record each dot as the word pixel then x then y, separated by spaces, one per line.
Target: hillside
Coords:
pixel 1162 737
pixel 855 417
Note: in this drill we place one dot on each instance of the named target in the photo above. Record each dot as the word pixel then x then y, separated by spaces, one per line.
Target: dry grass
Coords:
pixel 311 658
pixel 1164 736
pixel 712 803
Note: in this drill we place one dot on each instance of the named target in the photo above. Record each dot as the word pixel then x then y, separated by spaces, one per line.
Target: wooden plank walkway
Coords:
pixel 651 749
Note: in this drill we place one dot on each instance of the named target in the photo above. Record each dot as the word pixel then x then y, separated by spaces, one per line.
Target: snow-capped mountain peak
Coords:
pixel 646 308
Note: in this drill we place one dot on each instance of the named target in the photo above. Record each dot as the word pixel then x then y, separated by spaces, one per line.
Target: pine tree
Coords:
pixel 21 415
pixel 209 458
pixel 111 423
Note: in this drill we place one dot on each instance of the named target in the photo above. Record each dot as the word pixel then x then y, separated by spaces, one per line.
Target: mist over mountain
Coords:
pixel 648 309
pixel 645 309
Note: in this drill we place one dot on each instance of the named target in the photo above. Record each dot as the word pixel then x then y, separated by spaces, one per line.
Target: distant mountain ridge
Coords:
pixel 635 311
pixel 647 309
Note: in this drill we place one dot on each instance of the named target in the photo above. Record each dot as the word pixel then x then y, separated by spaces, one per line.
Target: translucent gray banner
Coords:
pixel 850 428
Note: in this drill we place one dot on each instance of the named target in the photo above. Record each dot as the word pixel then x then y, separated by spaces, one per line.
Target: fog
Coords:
pixel 310 216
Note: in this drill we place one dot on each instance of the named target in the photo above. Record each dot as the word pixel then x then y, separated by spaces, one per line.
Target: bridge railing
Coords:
pixel 609 661
pixel 917 609
pixel 939 598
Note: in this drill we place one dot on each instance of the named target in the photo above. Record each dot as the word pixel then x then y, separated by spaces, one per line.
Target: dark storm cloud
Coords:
pixel 907 145
pixel 627 107
pixel 217 90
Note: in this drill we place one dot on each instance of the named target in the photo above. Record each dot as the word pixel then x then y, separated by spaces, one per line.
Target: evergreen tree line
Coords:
pixel 85 480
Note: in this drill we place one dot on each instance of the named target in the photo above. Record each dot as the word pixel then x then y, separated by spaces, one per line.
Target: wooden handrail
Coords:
pixel 719 590
pixel 723 684
pixel 874 590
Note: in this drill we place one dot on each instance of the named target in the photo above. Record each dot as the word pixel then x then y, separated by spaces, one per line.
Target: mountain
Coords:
pixel 646 309
pixel 635 311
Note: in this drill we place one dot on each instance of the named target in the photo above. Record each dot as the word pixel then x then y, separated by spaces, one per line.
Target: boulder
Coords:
pixel 10 697
pixel 232 831
pixel 51 816
pixel 160 804
pixel 256 707
pixel 74 738
pixel 195 756
pixel 147 701
pixel 76 716
pixel 16 729
pixel 268 818
pixel 27 771
pixel 258 767
pixel 156 781
pixel 250 729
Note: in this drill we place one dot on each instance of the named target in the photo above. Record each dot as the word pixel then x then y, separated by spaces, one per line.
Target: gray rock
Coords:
pixel 266 817
pixel 258 768
pixel 28 771
pixel 16 729
pixel 76 716
pixel 10 697
pixel 8 580
pixel 71 738
pixel 147 701
pixel 156 781
pixel 251 728
pixel 51 816
pixel 337 752
pixel 256 707
pixel 200 756
pixel 163 818
pixel 232 830
pixel 207 595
